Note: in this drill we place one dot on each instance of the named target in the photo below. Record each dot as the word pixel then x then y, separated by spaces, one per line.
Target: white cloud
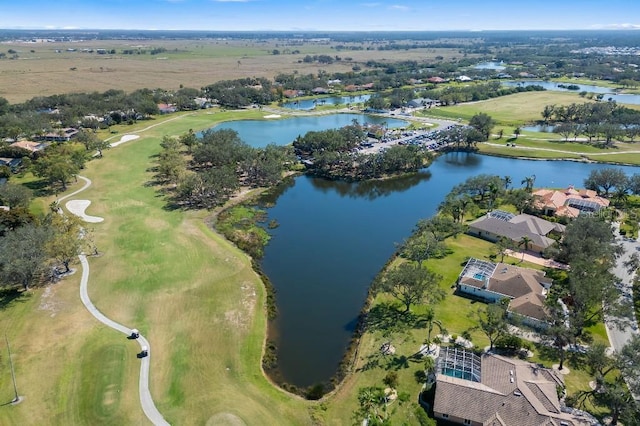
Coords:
pixel 625 26
pixel 399 7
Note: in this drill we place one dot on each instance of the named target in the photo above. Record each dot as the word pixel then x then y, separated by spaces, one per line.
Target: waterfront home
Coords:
pixel 568 202
pixel 490 389
pixel 526 289
pixel 499 224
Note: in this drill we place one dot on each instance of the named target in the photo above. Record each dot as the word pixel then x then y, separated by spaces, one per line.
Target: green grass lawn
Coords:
pixel 516 109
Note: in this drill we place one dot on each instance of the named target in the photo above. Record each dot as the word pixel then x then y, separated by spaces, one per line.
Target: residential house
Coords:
pixel 291 93
pixel 422 102
pixel 30 145
pixel 568 202
pixel 492 390
pixel 12 163
pixel 167 108
pixel 320 91
pixel 499 224
pixel 60 135
pixel 436 80
pixel 491 282
pixel 464 78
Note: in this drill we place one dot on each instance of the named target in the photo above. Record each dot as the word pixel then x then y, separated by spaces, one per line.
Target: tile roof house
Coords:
pixel 568 202
pixel 500 392
pixel 61 135
pixel 30 145
pixel 498 224
pixel 525 288
pixel 436 80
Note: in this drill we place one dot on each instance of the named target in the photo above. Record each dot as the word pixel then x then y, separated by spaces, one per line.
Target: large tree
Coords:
pixel 65 242
pixel 603 180
pixel 483 123
pixel 14 195
pixel 492 321
pixel 411 284
pixel 23 257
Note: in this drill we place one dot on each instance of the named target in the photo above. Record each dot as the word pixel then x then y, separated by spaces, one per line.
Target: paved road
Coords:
pixel 619 337
pixel 146 401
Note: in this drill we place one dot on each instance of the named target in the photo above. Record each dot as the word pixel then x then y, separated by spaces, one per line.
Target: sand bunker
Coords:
pixel 77 207
pixel 272 116
pixel 125 138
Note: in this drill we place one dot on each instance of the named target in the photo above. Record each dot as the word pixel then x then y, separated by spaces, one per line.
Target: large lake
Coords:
pixel 334 237
pixel 260 133
pixel 606 91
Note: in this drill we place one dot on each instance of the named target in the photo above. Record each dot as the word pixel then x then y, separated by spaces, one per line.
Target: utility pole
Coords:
pixel 13 373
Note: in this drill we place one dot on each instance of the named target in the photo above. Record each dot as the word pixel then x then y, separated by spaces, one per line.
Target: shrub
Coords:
pixel 391 379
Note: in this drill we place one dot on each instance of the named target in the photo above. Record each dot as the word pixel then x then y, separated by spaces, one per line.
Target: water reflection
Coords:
pixel 370 190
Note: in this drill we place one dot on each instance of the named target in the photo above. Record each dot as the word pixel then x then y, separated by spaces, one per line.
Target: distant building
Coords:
pixel 422 102
pixel 492 390
pixel 60 135
pixel 30 146
pixel 436 80
pixel 167 108
pixel 464 78
pixel 12 163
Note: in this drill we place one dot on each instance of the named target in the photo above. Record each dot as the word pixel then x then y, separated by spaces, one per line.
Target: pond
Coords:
pixel 334 237
pixel 609 93
pixel 308 104
pixel 498 66
pixel 539 128
pixel 259 133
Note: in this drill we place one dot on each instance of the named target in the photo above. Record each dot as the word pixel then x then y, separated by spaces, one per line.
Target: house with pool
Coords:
pixel 526 289
pixel 490 389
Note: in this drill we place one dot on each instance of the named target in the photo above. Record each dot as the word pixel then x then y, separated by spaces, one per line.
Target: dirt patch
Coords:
pixel 48 301
pixel 240 318
pixel 225 419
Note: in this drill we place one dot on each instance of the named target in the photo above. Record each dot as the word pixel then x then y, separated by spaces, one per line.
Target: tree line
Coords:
pixel 602 121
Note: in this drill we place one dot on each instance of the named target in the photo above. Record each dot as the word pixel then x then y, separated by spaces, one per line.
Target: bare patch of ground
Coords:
pixel 225 419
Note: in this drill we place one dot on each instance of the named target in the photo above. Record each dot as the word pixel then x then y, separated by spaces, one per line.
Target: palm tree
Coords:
pixel 528 182
pixel 431 321
pixel 620 197
pixel 516 132
pixel 524 243
pixel 507 181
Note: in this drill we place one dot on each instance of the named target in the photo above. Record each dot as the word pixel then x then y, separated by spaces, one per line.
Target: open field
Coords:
pixel 40 71
pixel 515 109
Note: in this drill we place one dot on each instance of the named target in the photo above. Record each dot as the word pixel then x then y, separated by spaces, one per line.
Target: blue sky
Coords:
pixel 329 15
